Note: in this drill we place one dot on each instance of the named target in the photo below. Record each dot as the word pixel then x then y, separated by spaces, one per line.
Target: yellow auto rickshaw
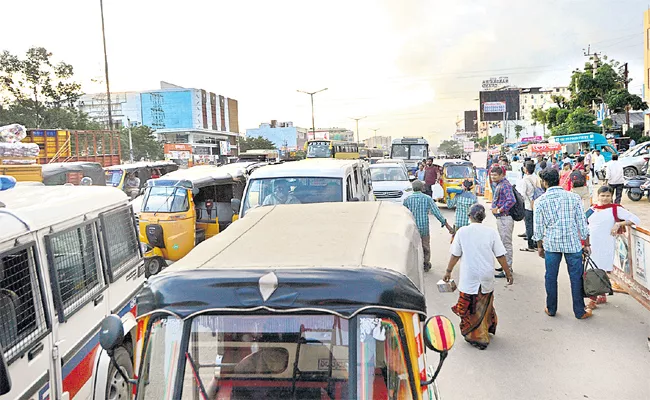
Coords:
pixel 140 172
pixel 185 207
pixel 244 316
pixel 453 173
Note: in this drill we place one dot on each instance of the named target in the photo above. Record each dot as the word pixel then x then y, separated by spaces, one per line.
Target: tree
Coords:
pixel 608 123
pixel 579 120
pixel 255 143
pixel 541 116
pixel 451 148
pixel 497 139
pixel 36 92
pixel 518 129
pixel 145 144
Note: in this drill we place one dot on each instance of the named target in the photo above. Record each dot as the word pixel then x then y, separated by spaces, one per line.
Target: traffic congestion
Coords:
pixel 324 200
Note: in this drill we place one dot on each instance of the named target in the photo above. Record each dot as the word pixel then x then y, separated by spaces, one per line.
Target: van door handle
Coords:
pixel 36 350
pixel 98 299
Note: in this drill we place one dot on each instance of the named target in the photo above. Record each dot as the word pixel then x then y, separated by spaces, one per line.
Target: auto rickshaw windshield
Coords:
pixel 458 171
pixel 276 357
pixel 165 199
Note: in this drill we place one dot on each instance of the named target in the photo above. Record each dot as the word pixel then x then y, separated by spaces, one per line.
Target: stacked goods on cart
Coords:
pixel 18 159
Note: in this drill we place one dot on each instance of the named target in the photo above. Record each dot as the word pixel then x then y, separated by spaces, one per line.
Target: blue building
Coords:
pixel 282 134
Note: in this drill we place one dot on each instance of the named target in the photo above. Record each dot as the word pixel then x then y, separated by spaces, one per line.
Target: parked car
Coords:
pixel 634 159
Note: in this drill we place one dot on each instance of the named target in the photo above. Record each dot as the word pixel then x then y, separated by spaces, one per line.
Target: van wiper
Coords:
pixel 197 377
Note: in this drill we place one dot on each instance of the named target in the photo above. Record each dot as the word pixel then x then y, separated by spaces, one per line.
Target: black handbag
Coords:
pixel 595 280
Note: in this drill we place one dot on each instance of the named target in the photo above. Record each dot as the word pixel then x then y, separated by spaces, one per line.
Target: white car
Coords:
pixel 390 182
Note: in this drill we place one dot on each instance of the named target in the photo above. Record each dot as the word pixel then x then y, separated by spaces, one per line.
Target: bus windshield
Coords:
pixel 410 151
pixel 319 150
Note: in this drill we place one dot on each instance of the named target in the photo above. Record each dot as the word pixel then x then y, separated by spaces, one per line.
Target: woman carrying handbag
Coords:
pixel 606 221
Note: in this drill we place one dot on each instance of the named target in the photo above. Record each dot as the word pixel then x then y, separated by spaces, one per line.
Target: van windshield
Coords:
pixel 165 199
pixel 273 191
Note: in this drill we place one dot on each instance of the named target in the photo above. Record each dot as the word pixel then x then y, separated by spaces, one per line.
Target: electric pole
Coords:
pixel 311 94
pixel 627 106
pixel 375 130
pixel 357 119
pixel 594 57
pixel 108 86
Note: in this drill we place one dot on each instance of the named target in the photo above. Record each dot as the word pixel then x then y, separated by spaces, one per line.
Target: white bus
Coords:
pixel 411 150
pixel 69 256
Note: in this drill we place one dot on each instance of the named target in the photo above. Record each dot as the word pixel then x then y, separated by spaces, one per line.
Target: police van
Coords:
pixel 69 256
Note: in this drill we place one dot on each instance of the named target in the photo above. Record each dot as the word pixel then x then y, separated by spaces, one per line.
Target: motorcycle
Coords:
pixel 636 186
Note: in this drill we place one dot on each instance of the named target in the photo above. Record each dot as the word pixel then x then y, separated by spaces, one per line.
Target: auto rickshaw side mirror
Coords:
pixel 111 336
pixel 111 333
pixel 235 204
pixel 5 379
pixel 439 336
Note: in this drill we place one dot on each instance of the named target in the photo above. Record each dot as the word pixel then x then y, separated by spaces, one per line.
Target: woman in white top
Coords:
pixel 605 219
pixel 476 246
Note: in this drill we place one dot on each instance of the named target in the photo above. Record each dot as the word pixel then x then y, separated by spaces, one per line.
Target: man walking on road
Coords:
pixel 530 183
pixel 504 199
pixel 560 225
pixel 430 176
pixel 420 205
pixel 599 163
pixel 615 177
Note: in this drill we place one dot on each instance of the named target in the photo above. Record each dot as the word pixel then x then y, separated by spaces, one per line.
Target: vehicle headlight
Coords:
pixel 145 247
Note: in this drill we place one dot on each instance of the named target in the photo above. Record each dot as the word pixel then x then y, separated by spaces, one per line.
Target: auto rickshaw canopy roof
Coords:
pixel 443 162
pixel 206 175
pixel 340 258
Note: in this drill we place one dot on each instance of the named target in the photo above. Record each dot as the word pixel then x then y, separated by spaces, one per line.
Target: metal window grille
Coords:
pixel 73 261
pixel 22 315
pixel 120 241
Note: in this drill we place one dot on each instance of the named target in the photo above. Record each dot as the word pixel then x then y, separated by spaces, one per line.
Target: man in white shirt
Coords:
pixel 527 190
pixel 599 163
pixel 589 164
pixel 615 177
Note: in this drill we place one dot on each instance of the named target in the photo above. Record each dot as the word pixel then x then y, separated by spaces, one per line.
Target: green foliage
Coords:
pixel 579 120
pixel 36 92
pixel 608 123
pixel 636 133
pixel 145 145
pixel 617 99
pixel 518 129
pixel 255 143
pixel 450 148
pixel 497 139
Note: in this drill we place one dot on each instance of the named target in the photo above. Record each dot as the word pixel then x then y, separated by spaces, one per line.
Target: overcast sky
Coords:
pixel 411 66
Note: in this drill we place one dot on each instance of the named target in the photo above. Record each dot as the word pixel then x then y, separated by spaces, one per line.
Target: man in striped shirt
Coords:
pixel 420 206
pixel 560 228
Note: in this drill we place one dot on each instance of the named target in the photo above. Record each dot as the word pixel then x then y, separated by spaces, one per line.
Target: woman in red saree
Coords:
pixel 476 246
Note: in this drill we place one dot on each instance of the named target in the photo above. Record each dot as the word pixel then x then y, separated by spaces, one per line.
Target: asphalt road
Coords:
pixel 534 356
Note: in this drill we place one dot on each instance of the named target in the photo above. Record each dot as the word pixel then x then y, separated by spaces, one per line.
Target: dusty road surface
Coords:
pixel 533 356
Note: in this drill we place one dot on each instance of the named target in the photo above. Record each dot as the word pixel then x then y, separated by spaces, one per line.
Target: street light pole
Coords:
pixel 108 87
pixel 357 119
pixel 375 130
pixel 130 141
pixel 313 125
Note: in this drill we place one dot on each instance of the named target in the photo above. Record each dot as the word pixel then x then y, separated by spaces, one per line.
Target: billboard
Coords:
pixel 509 97
pixel 494 107
pixel 167 109
pixel 471 121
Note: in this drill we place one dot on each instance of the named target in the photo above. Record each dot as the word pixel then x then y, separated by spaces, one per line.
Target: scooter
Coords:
pixel 645 189
pixel 634 185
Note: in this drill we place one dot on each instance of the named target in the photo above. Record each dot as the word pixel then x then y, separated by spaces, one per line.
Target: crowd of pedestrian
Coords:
pixel 561 223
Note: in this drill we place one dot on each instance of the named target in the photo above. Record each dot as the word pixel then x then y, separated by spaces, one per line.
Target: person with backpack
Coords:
pixel 504 199
pixel 579 186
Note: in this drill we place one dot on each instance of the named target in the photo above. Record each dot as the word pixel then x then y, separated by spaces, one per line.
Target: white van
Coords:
pixel 308 181
pixel 69 256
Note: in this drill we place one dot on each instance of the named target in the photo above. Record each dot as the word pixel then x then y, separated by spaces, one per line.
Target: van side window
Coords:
pixel 356 176
pixel 120 241
pixel 350 193
pixel 22 315
pixel 74 265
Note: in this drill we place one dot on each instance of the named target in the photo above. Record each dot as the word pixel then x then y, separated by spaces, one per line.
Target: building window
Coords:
pixel 648 39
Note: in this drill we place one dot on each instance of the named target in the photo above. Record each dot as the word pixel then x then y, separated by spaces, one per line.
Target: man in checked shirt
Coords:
pixel 463 202
pixel 420 205
pixel 503 200
pixel 560 229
